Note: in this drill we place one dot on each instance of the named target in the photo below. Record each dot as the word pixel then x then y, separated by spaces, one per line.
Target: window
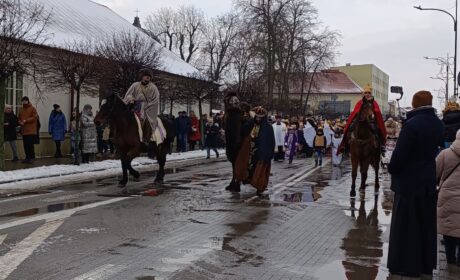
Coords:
pixel 15 91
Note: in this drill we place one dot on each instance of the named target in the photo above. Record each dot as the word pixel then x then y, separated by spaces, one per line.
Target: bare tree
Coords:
pixel 126 53
pixel 22 26
pixel 163 24
pixel 172 92
pixel 76 67
pixel 180 30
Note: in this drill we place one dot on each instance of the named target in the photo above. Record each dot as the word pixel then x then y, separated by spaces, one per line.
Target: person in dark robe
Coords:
pixel 253 162
pixel 412 249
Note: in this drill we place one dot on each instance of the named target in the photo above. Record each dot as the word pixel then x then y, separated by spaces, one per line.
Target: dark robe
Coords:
pixel 412 248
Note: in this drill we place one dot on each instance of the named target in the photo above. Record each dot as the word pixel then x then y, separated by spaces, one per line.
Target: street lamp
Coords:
pixel 455 30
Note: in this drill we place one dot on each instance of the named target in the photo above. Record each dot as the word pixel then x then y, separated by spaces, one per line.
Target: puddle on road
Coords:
pixel 46 209
pixel 27 193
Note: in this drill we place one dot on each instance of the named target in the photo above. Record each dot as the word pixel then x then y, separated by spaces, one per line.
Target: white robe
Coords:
pixel 328 133
pixel 336 159
pixel 309 134
pixel 280 133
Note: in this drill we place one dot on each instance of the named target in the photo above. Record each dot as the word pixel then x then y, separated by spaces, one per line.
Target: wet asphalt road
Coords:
pixel 306 227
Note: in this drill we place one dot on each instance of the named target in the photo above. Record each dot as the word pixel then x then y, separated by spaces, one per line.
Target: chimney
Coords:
pixel 137 22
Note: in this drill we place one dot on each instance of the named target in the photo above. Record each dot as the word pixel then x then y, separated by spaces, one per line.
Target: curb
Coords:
pixel 83 177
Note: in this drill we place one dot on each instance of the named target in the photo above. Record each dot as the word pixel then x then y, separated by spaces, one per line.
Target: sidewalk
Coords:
pixel 49 172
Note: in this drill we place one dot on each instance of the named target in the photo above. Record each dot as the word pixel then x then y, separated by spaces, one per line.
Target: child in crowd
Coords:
pixel 290 143
pixel 319 146
pixel 336 140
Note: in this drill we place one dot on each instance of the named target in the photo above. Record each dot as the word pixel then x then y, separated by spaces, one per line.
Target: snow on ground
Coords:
pixel 39 177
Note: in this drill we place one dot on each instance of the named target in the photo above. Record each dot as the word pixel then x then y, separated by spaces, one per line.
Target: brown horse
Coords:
pixel 364 148
pixel 127 140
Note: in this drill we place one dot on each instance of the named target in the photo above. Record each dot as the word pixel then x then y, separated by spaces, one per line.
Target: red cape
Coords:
pixel 378 117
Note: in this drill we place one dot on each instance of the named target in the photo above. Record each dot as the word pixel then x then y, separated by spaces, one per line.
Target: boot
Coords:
pixel 151 150
pixel 316 163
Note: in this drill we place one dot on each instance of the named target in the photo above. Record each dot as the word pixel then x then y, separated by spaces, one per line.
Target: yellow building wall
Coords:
pixel 370 74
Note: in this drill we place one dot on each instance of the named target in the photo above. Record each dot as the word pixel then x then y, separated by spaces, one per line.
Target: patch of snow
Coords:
pixel 62 174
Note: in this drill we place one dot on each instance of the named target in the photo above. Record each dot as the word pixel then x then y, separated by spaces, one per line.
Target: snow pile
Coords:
pixel 107 167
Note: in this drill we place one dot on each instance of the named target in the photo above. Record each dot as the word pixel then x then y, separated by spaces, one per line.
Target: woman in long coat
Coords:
pixel 412 249
pixel 88 133
pixel 194 134
pixel 57 126
pixel 448 174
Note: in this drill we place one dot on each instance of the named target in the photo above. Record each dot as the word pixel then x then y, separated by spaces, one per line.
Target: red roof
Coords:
pixel 327 82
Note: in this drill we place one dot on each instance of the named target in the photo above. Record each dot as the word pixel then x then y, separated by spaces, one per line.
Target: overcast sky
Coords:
pixel 388 33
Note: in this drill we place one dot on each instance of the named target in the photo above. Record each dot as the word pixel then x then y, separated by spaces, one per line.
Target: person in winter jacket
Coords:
pixel 211 131
pixel 88 133
pixel 10 123
pixel 413 240
pixel 451 119
pixel 280 131
pixel 448 175
pixel 319 146
pixel 183 126
pixel 194 134
pixel 57 126
pixel 290 143
pixel 28 120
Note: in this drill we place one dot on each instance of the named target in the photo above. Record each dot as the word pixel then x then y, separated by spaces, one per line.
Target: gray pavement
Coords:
pixel 305 228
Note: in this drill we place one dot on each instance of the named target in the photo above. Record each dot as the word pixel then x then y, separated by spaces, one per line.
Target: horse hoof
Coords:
pixel 158 183
pixel 136 179
pixel 352 193
pixel 122 183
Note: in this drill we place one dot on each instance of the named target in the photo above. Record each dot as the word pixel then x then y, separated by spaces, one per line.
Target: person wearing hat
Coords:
pixel 451 119
pixel 145 95
pixel 290 143
pixel 28 120
pixel 380 130
pixel 280 131
pixel 10 123
pixel 57 126
pixel 262 151
pixel 319 146
pixel 412 248
pixel 88 134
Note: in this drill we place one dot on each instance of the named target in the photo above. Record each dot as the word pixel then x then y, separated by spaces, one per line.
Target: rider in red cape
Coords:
pixel 367 93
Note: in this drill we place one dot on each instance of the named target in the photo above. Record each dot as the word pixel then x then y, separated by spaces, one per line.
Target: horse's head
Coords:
pixel 367 110
pixel 106 109
pixel 231 101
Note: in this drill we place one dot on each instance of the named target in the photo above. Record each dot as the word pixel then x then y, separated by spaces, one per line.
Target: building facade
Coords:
pixel 370 74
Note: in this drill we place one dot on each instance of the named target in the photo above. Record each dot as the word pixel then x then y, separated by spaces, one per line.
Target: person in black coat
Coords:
pixel 10 123
pixel 211 131
pixel 412 248
pixel 183 127
pixel 451 119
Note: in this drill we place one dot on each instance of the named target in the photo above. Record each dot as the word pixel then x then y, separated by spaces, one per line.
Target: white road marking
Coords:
pixel 291 180
pixel 2 238
pixel 101 273
pixel 293 177
pixel 59 215
pixel 28 196
pixel 11 260
pixel 290 184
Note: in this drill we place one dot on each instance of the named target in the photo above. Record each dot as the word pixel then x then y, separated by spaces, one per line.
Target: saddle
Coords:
pixel 146 133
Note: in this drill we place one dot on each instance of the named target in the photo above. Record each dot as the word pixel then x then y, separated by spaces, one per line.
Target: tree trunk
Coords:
pixel 171 103
pixel 77 130
pixel 200 112
pixel 2 116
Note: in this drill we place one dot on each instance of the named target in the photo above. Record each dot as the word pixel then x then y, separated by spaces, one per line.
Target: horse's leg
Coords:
pixel 364 167
pixel 132 171
pixel 122 183
pixel 160 152
pixel 354 174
